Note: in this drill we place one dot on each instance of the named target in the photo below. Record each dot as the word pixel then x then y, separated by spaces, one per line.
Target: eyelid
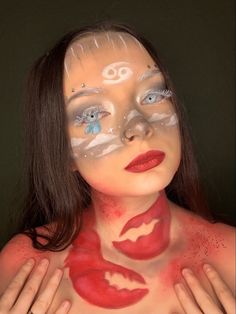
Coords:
pixel 155 90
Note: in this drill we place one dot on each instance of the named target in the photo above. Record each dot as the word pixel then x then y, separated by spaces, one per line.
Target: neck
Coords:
pixel 110 209
pixel 130 224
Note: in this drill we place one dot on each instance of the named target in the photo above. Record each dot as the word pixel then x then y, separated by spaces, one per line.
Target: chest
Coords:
pixel 98 282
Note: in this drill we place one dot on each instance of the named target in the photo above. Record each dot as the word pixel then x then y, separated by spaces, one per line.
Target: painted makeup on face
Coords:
pixel 99 124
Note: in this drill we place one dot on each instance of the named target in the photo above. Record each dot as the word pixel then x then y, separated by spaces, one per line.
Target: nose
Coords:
pixel 137 128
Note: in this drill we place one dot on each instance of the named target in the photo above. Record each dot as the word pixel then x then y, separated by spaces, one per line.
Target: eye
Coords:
pixel 90 115
pixel 156 96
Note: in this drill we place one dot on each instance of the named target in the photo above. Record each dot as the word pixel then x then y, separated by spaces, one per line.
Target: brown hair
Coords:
pixel 54 192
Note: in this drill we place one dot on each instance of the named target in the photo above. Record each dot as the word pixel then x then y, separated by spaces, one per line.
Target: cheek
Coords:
pixel 100 174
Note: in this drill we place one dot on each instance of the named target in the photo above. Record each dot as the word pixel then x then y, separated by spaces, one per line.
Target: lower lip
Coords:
pixel 141 167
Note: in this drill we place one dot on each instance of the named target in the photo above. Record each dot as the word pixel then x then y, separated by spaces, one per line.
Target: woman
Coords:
pixel 113 190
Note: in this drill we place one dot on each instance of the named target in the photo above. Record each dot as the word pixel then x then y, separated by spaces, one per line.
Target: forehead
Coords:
pixel 87 57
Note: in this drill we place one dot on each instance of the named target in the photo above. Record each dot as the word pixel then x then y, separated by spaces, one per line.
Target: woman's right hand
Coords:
pixel 21 295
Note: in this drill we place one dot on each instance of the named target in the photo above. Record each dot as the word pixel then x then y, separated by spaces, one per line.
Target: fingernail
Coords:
pixel 66 305
pixel 187 271
pixel 58 272
pixel 44 262
pixel 207 267
pixel 30 262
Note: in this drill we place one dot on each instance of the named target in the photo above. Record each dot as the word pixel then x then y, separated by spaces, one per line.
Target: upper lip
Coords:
pixel 143 158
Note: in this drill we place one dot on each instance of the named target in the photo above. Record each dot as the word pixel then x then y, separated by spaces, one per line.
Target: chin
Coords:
pixel 151 185
pixel 137 186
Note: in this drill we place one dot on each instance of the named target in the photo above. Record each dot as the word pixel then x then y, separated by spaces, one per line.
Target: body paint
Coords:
pixel 204 242
pixel 113 73
pixel 134 120
pixel 153 244
pixel 123 41
pixel 101 145
pixel 164 119
pixel 89 273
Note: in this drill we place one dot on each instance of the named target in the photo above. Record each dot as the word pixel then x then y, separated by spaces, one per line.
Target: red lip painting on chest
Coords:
pixel 154 243
pixel 87 270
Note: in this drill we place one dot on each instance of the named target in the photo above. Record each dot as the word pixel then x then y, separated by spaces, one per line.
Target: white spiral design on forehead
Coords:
pixel 116 72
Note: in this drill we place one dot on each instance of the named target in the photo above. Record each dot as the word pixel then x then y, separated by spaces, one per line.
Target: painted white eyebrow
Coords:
pixel 148 74
pixel 89 91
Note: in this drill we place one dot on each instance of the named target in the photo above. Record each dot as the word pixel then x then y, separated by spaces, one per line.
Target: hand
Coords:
pixel 21 294
pixel 203 302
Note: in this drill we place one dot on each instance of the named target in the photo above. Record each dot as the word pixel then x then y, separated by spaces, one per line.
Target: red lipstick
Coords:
pixel 153 244
pixel 146 161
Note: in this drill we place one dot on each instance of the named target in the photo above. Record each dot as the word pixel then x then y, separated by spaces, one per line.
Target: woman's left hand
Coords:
pixel 203 301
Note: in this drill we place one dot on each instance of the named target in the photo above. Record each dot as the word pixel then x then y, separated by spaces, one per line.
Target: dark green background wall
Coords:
pixel 196 41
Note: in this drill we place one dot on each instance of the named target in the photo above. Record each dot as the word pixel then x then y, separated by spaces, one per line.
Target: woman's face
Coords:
pixel 118 107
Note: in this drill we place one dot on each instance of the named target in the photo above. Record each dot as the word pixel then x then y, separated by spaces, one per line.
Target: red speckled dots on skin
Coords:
pixel 109 207
pixel 203 243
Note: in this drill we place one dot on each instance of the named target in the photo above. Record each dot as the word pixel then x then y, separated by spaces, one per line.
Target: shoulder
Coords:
pixel 14 254
pixel 217 239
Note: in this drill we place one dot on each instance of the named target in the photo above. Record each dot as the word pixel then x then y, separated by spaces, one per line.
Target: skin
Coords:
pixel 191 241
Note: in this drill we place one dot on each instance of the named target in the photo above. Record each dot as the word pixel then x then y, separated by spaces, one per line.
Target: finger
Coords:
pixel 203 299
pixel 44 300
pixel 31 287
pixel 185 300
pixel 64 307
pixel 10 295
pixel 221 289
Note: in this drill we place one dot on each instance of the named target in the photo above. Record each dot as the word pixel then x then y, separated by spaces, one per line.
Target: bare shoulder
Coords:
pixel 14 254
pixel 213 242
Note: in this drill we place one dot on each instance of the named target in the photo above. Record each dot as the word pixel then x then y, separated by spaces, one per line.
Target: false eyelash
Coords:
pixel 162 92
pixel 165 92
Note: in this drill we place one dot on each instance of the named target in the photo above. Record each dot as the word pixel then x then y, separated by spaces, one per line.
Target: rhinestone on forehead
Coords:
pixel 83 85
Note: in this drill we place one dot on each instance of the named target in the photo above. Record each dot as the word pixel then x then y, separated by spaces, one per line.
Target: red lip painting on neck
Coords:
pixel 87 270
pixel 154 243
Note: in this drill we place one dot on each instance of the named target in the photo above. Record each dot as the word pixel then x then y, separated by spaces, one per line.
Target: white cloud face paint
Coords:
pixel 101 139
pixel 132 114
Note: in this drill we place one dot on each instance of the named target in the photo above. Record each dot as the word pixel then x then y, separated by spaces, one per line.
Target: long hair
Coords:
pixel 56 196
